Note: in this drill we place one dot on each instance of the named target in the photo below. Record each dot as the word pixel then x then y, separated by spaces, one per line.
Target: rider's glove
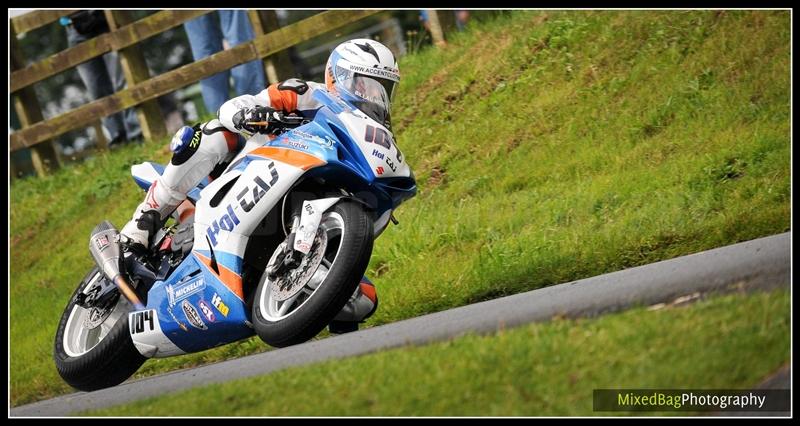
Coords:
pixel 259 119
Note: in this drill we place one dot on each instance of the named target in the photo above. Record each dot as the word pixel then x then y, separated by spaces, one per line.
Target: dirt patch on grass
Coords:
pixel 513 144
pixel 540 19
pixel 481 56
pixel 459 94
pixel 438 175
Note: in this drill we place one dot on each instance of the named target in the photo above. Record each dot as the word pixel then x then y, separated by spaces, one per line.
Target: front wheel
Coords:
pixel 297 305
pixel 93 347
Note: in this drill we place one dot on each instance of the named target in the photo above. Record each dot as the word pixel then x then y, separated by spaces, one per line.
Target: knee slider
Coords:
pixel 185 143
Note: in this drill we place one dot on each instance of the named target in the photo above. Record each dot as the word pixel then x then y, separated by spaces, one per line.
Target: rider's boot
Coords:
pixel 150 216
pixel 196 151
pixel 362 304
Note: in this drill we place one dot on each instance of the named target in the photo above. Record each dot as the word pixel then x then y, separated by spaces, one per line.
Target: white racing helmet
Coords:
pixel 364 73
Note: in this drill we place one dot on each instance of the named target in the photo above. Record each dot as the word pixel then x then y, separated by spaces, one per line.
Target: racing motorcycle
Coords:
pixel 276 246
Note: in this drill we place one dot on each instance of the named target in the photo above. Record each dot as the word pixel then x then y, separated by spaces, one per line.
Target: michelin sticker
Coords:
pixel 184 290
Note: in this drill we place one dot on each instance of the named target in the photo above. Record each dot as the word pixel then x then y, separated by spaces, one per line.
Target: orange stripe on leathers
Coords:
pixel 231 279
pixel 289 156
pixel 283 100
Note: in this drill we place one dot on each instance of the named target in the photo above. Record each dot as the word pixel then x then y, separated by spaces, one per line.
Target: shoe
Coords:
pixel 117 142
pixel 362 304
pixel 342 327
pixel 138 232
pixel 120 138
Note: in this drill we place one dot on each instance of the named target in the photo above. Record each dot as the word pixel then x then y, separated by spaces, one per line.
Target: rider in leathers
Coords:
pixel 350 70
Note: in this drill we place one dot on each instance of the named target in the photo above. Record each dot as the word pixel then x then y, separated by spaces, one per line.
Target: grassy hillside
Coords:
pixel 547 369
pixel 548 146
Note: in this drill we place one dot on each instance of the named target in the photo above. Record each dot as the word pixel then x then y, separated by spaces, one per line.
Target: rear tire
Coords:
pixel 108 362
pixel 332 293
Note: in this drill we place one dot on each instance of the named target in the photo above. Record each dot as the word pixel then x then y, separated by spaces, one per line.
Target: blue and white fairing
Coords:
pixel 201 304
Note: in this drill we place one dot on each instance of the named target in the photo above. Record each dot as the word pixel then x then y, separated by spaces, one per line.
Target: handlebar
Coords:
pixel 283 121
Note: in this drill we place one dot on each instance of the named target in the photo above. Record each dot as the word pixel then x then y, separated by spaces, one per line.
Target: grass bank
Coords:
pixel 546 369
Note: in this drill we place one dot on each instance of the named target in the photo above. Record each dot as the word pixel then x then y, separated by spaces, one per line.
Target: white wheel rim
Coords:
pixel 274 311
pixel 78 340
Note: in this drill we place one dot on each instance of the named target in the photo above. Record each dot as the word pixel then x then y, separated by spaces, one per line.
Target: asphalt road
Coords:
pixel 760 264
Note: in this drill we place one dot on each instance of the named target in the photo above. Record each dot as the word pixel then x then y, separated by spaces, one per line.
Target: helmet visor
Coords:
pixel 373 95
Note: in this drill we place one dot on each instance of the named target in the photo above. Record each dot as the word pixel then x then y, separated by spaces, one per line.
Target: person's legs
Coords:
pixel 249 77
pixel 196 151
pixel 462 17
pixel 205 38
pixel 95 77
pixel 132 128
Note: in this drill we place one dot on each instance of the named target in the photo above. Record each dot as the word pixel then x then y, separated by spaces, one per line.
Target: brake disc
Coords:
pixel 294 280
pixel 96 317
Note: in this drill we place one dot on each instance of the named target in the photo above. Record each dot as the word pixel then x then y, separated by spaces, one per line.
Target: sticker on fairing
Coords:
pixel 147 336
pixel 180 291
pixel 216 300
pixel 309 222
pixel 193 316
pixel 205 308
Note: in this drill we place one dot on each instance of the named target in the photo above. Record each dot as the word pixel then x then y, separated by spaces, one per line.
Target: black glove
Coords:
pixel 258 119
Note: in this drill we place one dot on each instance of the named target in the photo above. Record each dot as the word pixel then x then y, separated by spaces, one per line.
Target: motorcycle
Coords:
pixel 276 246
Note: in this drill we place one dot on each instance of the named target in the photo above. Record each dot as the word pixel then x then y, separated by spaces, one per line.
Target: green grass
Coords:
pixel 548 147
pixel 546 369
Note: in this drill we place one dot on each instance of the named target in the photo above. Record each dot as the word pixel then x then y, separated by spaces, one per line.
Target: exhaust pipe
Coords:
pixel 107 253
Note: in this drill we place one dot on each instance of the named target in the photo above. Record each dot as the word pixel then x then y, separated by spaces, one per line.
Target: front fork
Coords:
pixel 299 241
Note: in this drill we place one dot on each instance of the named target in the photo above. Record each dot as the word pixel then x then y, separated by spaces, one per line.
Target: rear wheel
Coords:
pixel 93 347
pixel 300 303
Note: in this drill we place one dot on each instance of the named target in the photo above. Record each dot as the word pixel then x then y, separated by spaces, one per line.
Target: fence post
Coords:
pixel 44 155
pixel 392 35
pixel 441 22
pixel 277 66
pixel 135 69
pixel 102 141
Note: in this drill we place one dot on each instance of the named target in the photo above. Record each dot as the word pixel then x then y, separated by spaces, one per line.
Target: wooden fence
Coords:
pixel 268 45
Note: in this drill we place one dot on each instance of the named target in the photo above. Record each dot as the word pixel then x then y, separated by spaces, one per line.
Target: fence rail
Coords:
pixel 125 34
pixel 38 18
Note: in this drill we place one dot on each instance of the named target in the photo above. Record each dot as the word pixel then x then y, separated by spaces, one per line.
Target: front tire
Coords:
pixel 349 239
pixel 90 358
